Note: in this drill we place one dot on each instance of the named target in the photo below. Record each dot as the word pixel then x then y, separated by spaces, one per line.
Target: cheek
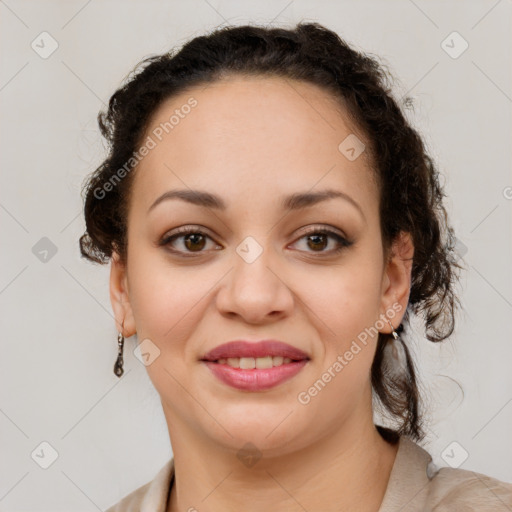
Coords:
pixel 166 299
pixel 347 298
pixel 347 308
pixel 346 303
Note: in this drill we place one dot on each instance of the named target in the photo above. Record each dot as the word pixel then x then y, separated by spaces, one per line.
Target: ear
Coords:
pixel 119 297
pixel 396 283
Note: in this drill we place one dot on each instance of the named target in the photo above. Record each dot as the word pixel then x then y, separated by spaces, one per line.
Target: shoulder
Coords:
pixel 453 489
pixel 150 497
pixel 417 485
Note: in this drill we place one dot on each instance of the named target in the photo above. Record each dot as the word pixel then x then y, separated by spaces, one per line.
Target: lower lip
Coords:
pixel 255 380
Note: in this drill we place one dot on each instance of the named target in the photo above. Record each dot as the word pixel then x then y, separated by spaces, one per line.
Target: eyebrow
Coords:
pixel 295 201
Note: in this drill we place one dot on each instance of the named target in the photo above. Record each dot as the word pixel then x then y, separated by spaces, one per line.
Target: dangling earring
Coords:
pixel 118 366
pixel 394 353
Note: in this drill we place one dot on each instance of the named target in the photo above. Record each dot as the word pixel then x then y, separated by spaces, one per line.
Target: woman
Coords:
pixel 272 220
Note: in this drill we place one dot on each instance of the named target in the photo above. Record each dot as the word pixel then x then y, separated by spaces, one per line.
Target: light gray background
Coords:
pixel 58 334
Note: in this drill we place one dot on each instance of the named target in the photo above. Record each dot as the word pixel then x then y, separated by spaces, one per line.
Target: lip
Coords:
pixel 255 380
pixel 241 348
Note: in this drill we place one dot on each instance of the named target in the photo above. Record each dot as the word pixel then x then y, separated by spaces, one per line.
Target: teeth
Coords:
pixel 249 363
pixel 262 362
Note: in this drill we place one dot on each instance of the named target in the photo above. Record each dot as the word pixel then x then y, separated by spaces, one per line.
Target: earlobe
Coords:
pixel 397 277
pixel 119 297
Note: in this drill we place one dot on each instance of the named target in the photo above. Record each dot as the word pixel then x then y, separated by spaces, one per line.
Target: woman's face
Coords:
pixel 259 266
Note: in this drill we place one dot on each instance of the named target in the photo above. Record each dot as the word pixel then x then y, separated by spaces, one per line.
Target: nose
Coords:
pixel 256 290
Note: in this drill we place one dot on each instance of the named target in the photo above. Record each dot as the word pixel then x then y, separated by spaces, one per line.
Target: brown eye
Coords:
pixel 194 242
pixel 318 241
pixel 187 241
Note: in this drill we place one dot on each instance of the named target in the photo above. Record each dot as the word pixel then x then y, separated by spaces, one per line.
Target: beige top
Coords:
pixel 415 485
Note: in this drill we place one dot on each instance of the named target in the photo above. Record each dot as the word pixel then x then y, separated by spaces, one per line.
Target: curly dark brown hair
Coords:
pixel 411 197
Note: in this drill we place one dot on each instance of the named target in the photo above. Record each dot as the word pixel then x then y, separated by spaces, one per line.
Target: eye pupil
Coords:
pixel 194 238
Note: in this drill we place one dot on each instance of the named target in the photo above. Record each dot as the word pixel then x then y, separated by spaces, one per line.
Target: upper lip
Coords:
pixel 240 348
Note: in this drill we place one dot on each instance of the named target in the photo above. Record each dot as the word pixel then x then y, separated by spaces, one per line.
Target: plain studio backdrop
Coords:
pixel 61 406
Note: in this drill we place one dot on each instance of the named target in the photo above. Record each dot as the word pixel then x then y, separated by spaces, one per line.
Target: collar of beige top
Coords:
pixel 155 499
pixel 408 482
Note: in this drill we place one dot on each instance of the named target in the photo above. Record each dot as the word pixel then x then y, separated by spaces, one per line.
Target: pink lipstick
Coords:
pixel 255 366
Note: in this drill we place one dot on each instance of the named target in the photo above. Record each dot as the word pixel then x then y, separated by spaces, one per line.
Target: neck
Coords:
pixel 347 469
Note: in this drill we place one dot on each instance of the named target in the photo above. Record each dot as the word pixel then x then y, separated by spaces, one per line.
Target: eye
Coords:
pixel 192 240
pixel 317 239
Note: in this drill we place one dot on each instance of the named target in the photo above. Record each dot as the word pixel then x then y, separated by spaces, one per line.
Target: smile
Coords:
pixel 249 363
pixel 254 378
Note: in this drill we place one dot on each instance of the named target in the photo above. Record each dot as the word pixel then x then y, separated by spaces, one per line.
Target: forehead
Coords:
pixel 251 136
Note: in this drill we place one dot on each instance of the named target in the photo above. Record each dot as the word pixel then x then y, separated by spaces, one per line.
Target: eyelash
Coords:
pixel 181 232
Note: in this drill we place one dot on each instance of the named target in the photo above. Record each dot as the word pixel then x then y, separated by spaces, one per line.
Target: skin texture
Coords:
pixel 251 140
